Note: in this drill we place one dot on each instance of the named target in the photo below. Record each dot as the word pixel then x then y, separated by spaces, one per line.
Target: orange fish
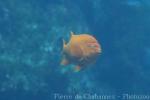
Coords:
pixel 81 51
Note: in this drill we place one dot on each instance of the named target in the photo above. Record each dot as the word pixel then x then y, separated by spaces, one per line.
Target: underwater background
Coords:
pixel 31 33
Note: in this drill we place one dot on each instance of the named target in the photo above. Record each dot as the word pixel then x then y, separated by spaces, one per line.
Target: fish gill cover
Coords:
pixel 30 48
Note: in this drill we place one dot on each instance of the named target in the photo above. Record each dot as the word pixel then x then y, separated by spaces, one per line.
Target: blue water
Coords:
pixel 31 33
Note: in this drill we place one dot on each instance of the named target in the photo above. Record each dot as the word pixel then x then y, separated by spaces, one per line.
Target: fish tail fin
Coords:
pixel 57 45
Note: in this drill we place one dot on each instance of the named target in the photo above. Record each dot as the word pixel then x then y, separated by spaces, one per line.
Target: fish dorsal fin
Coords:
pixel 71 33
pixel 64 44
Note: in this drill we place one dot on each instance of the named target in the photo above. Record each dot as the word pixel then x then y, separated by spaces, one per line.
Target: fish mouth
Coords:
pixel 98 50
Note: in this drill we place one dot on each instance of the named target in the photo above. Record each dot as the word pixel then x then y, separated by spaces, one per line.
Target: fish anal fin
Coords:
pixel 77 68
pixel 64 61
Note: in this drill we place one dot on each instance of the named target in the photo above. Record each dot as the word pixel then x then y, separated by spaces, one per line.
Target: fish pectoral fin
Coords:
pixel 64 61
pixel 64 44
pixel 71 33
pixel 81 59
pixel 77 68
